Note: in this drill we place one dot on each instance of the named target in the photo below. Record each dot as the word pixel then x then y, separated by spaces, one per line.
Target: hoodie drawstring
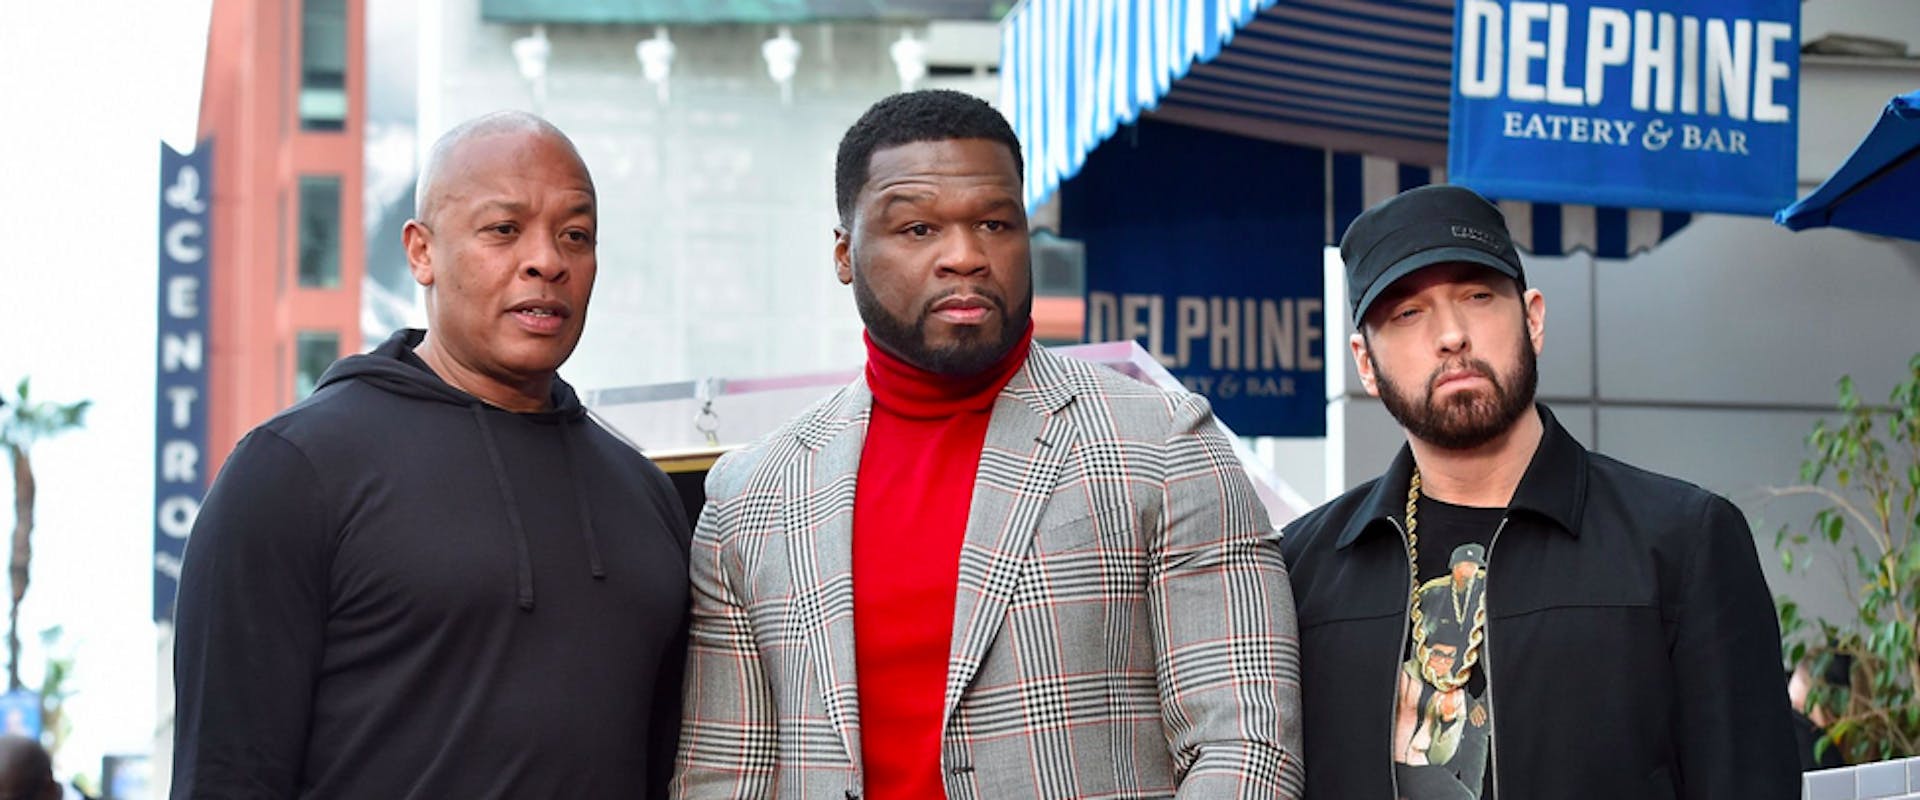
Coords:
pixel 396 368
pixel 523 564
pixel 578 477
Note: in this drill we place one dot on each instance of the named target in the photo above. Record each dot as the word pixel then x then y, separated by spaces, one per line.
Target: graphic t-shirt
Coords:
pixel 1443 720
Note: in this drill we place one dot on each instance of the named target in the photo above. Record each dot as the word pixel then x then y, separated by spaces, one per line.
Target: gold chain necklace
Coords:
pixel 1413 538
pixel 1477 630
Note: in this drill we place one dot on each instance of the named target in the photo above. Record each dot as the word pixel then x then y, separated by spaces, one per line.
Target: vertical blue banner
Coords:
pixel 180 397
pixel 1206 248
pixel 1688 105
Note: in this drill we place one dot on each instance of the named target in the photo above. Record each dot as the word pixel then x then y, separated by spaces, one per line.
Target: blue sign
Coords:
pixel 1206 248
pixel 180 408
pixel 1687 105
pixel 20 714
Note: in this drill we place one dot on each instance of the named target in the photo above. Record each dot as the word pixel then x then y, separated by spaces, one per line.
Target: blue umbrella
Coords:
pixel 1877 190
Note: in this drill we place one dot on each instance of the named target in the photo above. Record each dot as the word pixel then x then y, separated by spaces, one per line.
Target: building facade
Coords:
pixel 282 105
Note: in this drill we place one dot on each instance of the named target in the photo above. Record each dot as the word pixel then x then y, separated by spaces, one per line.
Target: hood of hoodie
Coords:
pixel 387 369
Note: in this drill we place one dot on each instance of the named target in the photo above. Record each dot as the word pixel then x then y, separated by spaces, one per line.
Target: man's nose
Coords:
pixel 541 259
pixel 963 254
pixel 1453 337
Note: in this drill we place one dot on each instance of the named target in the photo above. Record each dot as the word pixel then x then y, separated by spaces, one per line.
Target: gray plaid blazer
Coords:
pixel 1123 626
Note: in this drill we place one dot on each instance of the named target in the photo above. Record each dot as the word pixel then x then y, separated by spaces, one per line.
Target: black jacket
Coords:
pixel 1632 647
pixel 396 591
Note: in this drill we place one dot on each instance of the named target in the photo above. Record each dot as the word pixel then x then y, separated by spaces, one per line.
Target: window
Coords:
pixel 319 232
pixel 323 65
pixel 314 351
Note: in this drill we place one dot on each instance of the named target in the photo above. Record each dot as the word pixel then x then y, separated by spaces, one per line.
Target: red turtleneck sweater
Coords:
pixel 909 519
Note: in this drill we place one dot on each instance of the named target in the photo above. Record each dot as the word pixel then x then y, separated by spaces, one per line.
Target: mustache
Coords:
pixel 1473 365
pixel 992 297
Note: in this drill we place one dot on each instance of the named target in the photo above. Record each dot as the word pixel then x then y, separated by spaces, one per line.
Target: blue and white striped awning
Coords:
pixel 1366 80
pixel 1356 182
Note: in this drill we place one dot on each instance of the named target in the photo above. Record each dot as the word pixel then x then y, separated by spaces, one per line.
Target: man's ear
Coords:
pixel 415 236
pixel 843 254
pixel 1535 305
pixel 1363 361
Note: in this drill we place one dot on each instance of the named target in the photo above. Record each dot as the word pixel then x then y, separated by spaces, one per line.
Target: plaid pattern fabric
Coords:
pixel 1123 626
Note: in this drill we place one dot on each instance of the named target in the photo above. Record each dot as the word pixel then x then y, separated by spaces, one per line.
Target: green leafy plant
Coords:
pixel 1866 470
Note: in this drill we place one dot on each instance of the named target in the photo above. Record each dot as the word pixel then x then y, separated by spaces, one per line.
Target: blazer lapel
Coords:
pixel 818 517
pixel 1026 446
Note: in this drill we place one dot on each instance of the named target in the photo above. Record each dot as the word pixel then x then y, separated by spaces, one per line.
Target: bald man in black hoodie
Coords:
pixel 437 577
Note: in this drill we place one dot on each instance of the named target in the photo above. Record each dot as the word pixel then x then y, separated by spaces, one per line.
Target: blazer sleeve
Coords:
pixel 1735 728
pixel 250 624
pixel 1229 660
pixel 729 737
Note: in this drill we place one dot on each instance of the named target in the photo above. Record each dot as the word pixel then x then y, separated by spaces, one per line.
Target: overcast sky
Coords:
pixel 87 90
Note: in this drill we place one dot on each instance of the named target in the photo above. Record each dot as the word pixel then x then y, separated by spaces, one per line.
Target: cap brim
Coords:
pixel 1427 258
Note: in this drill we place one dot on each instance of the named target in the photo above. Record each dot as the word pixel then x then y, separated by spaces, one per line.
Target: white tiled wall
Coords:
pixel 1888 780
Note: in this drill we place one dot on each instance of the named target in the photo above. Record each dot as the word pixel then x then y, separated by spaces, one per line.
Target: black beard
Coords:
pixel 907 339
pixel 1468 420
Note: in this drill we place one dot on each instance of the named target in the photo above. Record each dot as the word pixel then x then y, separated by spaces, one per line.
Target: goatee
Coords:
pixel 1465 420
pixel 975 348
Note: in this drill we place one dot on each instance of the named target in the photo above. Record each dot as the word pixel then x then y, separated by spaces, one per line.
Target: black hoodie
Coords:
pixel 395 590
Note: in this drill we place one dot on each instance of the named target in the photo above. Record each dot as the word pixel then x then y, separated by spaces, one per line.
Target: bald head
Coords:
pixel 26 773
pixel 444 162
pixel 503 242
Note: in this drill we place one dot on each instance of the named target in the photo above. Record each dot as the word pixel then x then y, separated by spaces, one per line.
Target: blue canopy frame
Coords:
pixel 1877 189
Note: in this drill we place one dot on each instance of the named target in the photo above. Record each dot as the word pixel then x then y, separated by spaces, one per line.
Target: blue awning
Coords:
pixel 1545 229
pixel 1876 190
pixel 1366 80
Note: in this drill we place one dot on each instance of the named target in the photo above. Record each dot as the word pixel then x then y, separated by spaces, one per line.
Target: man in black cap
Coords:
pixel 1622 641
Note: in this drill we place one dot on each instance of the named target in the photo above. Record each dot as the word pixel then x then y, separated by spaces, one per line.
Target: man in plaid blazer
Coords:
pixel 1104 606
